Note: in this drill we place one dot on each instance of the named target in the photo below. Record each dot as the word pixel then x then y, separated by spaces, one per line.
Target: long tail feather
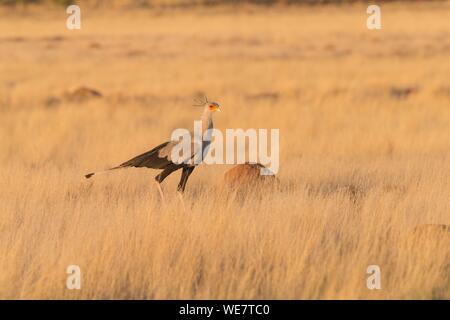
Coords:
pixel 149 159
pixel 89 175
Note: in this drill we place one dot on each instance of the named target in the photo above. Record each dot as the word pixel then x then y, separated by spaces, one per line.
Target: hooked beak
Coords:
pixel 214 107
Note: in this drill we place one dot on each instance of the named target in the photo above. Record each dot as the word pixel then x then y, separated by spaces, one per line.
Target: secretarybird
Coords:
pixel 161 157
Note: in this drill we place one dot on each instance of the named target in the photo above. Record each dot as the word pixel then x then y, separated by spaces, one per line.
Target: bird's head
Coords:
pixel 209 106
pixel 213 106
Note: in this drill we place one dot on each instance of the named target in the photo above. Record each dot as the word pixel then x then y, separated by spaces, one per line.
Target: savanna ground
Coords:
pixel 364 119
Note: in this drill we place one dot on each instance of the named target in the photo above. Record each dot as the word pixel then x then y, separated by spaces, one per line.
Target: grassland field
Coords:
pixel 364 119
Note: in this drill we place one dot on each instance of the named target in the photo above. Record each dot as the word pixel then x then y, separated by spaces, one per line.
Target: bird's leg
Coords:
pixel 184 178
pixel 158 185
pixel 160 178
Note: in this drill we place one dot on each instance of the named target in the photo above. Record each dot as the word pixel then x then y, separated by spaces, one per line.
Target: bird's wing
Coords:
pixel 175 153
pixel 157 158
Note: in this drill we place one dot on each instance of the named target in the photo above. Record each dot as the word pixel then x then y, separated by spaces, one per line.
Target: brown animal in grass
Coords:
pixel 248 176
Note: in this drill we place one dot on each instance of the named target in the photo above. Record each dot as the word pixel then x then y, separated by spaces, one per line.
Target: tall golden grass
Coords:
pixel 364 119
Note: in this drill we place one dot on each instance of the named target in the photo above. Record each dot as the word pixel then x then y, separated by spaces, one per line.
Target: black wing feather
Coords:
pixel 149 159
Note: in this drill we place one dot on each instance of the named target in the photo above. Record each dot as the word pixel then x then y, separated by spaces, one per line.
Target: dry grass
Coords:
pixel 364 120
